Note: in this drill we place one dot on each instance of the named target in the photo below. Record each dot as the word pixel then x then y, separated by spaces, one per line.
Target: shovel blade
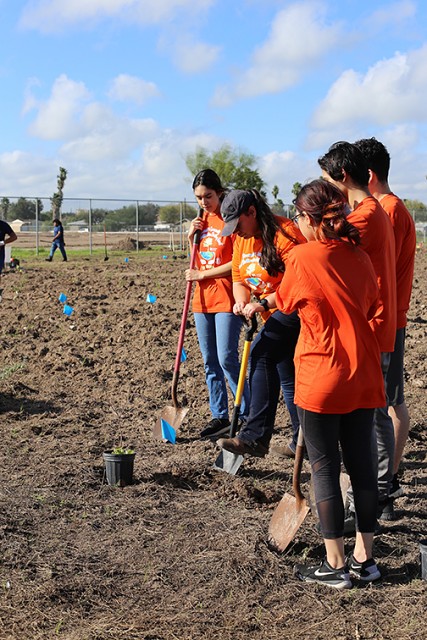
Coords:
pixel 228 462
pixel 174 416
pixel 287 518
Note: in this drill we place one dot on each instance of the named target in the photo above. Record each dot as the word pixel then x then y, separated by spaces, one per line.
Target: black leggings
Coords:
pixel 354 431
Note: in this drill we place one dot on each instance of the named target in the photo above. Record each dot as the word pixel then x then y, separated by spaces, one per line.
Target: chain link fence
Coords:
pixel 91 223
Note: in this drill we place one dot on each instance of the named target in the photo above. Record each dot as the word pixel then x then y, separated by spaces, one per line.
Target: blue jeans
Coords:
pixel 218 335
pixel 273 350
pixel 57 245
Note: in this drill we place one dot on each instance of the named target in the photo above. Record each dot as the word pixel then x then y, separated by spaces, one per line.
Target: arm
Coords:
pixel 216 272
pixel 11 238
pixel 197 223
pixel 256 307
pixel 242 296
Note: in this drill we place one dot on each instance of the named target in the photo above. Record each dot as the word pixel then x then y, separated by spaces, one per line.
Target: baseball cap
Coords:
pixel 234 204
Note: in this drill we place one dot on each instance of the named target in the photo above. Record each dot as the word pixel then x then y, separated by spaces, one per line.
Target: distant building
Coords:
pixel 17 225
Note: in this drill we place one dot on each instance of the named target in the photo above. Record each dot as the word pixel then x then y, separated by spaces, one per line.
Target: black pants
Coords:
pixel 323 433
pixel 273 347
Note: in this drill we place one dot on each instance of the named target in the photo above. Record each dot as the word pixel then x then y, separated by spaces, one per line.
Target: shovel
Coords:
pixel 227 461
pixel 172 416
pixel 291 511
pixel 105 244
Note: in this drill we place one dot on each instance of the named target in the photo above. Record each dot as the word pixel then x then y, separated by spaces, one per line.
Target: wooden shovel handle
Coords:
pixel 299 457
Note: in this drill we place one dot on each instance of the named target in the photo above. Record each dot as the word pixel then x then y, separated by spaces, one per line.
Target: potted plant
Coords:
pixel 119 466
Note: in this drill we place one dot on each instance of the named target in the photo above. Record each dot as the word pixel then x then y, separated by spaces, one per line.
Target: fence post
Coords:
pixel 137 226
pixel 90 227
pixel 37 227
pixel 181 244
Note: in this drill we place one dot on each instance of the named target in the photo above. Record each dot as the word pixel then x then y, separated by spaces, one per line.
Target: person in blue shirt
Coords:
pixel 5 230
pixel 58 241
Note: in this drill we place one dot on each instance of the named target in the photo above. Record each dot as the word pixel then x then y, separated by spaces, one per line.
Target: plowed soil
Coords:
pixel 182 553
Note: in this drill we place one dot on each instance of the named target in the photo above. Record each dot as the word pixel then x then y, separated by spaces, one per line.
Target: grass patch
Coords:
pixel 7 372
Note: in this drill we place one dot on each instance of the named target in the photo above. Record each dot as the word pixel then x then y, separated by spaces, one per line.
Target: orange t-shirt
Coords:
pixel 213 295
pixel 376 233
pixel 405 238
pixel 246 256
pixel 337 358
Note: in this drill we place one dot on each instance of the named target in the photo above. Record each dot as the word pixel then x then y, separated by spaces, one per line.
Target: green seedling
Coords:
pixel 122 451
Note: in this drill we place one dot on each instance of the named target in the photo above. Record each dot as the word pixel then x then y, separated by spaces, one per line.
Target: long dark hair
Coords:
pixel 208 178
pixel 328 208
pixel 269 227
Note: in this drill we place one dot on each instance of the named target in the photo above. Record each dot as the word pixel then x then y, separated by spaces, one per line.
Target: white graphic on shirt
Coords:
pixel 210 242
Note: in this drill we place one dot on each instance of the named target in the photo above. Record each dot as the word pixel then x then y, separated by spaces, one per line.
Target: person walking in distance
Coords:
pixel 378 160
pixel 345 166
pixel 57 241
pixel 218 329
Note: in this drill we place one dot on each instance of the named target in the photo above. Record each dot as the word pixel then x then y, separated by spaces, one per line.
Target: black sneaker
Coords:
pixel 324 574
pixel 396 490
pixel 216 428
pixel 386 510
pixel 365 571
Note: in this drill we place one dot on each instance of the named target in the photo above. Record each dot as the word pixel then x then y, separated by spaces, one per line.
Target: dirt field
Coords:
pixel 182 553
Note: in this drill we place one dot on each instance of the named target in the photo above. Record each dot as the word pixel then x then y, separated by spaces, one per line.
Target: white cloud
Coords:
pixel 191 56
pixel 125 88
pixel 284 168
pixel 298 40
pixel 22 173
pixel 91 131
pixel 56 117
pixel 390 92
pixel 393 13
pixel 49 16
pixel 107 137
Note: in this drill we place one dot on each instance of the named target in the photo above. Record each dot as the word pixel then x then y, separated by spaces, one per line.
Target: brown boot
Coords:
pixel 241 447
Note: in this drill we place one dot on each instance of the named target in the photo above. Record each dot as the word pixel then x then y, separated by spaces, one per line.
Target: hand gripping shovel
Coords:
pixel 172 416
pixel 291 511
pixel 227 461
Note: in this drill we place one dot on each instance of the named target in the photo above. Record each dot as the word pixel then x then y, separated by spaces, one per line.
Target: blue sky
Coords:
pixel 120 91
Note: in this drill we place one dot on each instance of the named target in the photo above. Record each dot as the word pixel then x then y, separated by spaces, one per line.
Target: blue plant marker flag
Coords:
pixel 151 298
pixel 68 310
pixel 165 257
pixel 183 355
pixel 62 297
pixel 126 259
pixel 168 432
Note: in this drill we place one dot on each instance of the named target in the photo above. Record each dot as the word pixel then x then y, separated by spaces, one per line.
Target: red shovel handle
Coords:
pixel 188 289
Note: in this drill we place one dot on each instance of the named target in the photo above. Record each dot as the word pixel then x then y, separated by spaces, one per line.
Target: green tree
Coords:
pixel 278 206
pixel 417 209
pixel 297 186
pixel 170 214
pixel 58 196
pixel 24 209
pixel 4 208
pixel 235 168
pixel 148 213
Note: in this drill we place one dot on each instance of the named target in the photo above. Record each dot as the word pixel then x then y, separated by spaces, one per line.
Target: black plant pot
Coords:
pixel 119 468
